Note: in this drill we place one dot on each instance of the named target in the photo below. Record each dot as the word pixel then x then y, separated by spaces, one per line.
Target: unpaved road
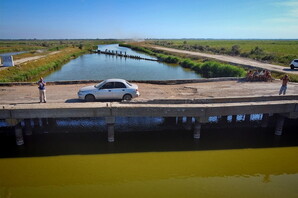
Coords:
pixel 233 59
pixel 28 94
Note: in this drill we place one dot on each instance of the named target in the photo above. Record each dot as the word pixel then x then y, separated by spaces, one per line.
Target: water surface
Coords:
pixel 101 66
pixel 224 173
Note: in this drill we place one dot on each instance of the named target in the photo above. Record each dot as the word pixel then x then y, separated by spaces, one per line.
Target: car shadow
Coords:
pixel 289 69
pixel 75 100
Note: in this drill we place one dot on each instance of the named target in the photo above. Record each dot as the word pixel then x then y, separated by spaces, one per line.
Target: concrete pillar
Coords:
pixel 52 123
pixel 265 120
pixel 19 134
pixel 234 119
pixel 170 120
pixel 188 123
pixel 179 120
pixel 197 129
pixel 36 122
pixel 223 119
pixel 44 122
pixel 28 127
pixel 247 118
pixel 111 128
pixel 279 125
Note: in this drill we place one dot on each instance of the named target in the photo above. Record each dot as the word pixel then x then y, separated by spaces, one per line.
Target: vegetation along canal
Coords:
pixel 101 66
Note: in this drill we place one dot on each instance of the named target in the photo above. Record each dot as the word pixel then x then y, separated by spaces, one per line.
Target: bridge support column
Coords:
pixel 188 123
pixel 247 118
pixel 36 122
pixel 279 125
pixel 265 120
pixel 223 120
pixel 197 129
pixel 179 120
pixel 28 127
pixel 19 134
pixel 111 128
pixel 234 119
pixel 17 129
pixel 170 120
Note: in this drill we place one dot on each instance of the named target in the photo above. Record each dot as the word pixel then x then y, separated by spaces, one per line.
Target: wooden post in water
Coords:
pixel 111 128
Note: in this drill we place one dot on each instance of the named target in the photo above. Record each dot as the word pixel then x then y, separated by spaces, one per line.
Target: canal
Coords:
pixel 72 158
pixel 102 66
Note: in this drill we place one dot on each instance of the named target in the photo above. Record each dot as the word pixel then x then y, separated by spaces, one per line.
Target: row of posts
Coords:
pixel 110 122
pixel 112 52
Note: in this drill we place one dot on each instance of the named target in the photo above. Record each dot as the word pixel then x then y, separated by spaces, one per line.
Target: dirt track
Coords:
pixel 233 59
pixel 68 93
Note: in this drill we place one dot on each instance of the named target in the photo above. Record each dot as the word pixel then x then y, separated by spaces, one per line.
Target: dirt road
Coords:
pixel 28 94
pixel 233 59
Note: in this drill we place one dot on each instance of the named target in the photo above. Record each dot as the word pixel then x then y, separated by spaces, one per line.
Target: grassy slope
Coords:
pixel 32 69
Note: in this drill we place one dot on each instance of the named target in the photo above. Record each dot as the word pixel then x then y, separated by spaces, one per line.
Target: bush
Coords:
pixel 211 69
pixel 187 63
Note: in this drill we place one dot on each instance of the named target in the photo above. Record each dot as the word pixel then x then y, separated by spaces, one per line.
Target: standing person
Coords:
pixel 285 79
pixel 42 90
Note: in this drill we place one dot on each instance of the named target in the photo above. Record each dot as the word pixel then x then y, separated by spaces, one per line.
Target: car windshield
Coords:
pixel 128 83
pixel 99 84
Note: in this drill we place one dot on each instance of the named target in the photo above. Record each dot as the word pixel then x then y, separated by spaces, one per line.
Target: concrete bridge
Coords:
pixel 200 110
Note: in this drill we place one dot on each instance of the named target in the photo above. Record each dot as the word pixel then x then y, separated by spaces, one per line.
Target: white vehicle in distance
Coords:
pixel 294 64
pixel 110 89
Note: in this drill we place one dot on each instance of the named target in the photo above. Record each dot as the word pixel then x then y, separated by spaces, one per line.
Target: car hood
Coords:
pixel 88 88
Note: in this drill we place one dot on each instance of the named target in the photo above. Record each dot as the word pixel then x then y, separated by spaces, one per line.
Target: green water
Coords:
pixel 270 172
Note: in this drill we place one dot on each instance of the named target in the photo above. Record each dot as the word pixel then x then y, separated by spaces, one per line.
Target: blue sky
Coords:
pixel 73 19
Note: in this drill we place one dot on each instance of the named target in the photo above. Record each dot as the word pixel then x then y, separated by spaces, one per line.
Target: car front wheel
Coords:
pixel 292 66
pixel 127 97
pixel 89 98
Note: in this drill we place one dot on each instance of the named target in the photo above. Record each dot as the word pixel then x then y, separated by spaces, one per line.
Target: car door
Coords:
pixel 105 91
pixel 119 90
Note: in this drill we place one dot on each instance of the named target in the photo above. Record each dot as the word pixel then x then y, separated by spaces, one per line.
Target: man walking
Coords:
pixel 285 79
pixel 42 90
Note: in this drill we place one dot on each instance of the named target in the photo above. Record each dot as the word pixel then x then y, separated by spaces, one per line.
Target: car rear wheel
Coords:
pixel 89 98
pixel 127 97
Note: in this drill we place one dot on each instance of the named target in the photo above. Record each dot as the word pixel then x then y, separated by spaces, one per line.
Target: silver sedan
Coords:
pixel 109 89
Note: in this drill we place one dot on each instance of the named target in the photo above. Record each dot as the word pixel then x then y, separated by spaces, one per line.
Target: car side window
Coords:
pixel 296 61
pixel 108 85
pixel 119 85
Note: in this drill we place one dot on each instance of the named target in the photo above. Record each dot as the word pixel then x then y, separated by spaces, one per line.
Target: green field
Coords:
pixel 49 45
pixel 280 52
